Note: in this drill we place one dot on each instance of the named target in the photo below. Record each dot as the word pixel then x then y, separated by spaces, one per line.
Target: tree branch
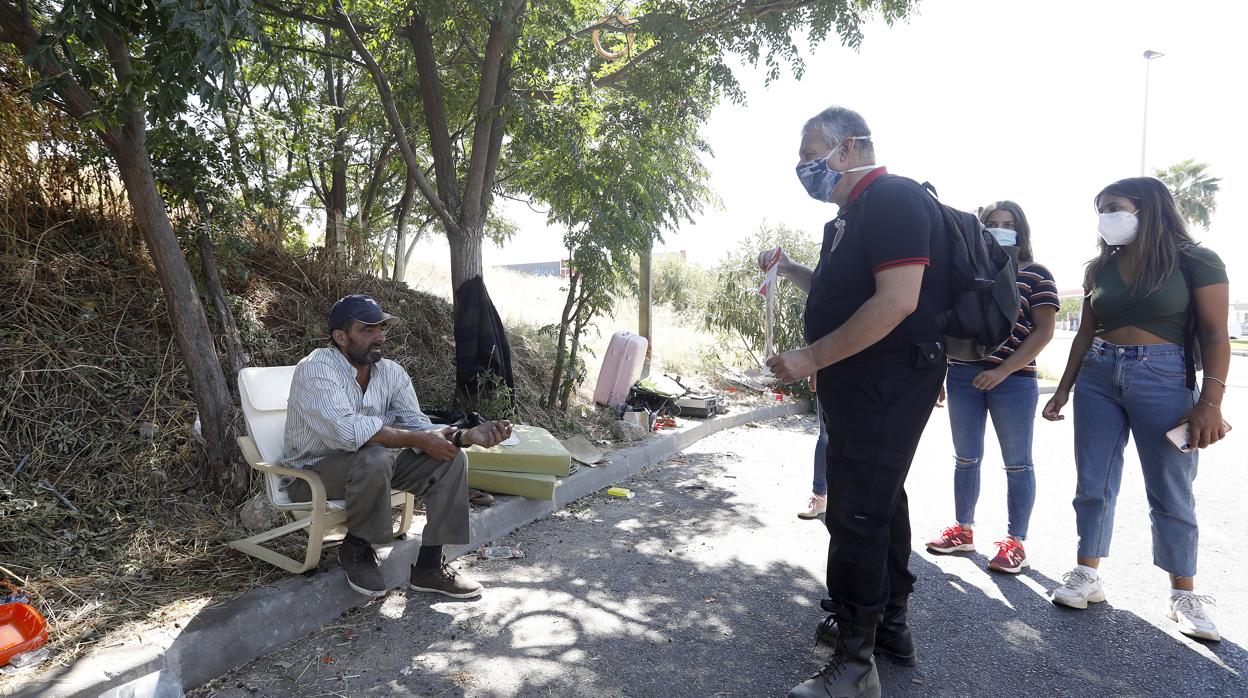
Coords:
pixel 119 55
pixel 496 133
pixel 375 181
pixel 487 106
pixel 76 100
pixel 317 188
pixel 396 123
pixel 421 39
pixel 293 12
pixel 317 52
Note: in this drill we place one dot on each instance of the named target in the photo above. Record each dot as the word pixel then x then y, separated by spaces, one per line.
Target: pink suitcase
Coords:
pixel 621 367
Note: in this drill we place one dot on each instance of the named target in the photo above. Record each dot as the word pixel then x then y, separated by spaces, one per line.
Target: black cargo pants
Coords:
pixel 875 410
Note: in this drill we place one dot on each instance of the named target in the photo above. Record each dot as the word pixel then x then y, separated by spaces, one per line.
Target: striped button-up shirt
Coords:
pixel 328 412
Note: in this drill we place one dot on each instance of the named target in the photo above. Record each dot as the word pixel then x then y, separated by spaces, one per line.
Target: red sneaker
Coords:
pixel 954 539
pixel 1011 558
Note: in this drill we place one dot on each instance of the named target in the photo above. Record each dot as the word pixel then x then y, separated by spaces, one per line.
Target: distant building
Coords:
pixel 557 268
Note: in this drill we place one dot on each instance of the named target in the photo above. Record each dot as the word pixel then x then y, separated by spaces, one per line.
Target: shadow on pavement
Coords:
pixel 1018 642
pixel 650 601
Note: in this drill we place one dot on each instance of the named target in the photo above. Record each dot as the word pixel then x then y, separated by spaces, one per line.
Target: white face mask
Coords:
pixel 1118 228
pixel 1005 237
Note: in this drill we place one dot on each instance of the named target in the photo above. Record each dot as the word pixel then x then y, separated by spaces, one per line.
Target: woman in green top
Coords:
pixel 1151 293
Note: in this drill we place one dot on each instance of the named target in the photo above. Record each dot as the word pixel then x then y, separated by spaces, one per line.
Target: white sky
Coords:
pixel 1037 102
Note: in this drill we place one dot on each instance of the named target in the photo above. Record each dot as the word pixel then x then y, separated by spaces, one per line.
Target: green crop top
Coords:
pixel 1161 313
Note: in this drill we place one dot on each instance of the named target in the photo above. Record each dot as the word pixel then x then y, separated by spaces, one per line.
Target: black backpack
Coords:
pixel 984 299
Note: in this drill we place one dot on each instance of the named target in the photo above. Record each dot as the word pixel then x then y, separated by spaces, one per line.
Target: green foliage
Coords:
pixel 677 283
pixel 735 307
pixel 130 53
pixel 1194 190
pixel 1071 307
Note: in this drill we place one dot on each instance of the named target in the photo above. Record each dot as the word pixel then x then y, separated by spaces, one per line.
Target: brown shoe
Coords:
pixel 444 580
pixel 360 564
pixel 479 498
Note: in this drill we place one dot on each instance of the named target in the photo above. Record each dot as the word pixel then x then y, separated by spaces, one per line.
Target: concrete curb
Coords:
pixel 230 634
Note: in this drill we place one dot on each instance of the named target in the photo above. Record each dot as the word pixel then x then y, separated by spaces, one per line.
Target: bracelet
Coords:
pixel 1219 381
pixel 458 438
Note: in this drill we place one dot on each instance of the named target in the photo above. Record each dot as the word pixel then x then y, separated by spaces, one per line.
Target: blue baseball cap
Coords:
pixel 359 307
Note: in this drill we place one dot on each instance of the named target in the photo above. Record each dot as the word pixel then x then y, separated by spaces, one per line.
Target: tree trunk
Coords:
pixel 336 193
pixel 577 329
pixel 465 255
pixel 383 264
pixel 400 225
pixel 645 296
pixel 233 344
pixel 565 320
pixel 190 324
pixel 411 246
pixel 236 155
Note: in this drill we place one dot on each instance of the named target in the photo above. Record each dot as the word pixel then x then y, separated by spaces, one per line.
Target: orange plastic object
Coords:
pixel 22 629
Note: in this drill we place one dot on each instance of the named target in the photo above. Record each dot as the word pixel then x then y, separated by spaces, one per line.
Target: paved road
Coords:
pixel 706 584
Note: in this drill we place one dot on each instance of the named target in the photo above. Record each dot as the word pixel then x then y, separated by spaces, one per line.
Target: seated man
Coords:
pixel 354 419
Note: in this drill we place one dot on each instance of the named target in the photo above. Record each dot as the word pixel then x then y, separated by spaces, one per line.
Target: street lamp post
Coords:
pixel 1148 62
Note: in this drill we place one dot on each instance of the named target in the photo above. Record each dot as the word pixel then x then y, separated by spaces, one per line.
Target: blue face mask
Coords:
pixel 1005 237
pixel 819 180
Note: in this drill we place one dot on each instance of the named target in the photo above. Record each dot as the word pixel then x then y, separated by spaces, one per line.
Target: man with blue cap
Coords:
pixel 353 417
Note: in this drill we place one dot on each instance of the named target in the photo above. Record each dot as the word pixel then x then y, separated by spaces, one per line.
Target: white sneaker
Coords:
pixel 1078 589
pixel 818 505
pixel 1188 611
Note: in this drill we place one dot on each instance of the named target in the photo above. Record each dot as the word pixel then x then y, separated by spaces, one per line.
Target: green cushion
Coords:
pixel 537 452
pixel 531 485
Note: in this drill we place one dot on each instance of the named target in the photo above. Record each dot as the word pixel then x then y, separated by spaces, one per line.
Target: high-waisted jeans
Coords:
pixel 1141 390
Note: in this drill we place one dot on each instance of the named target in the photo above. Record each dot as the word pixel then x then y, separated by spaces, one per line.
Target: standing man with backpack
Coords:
pixel 874 326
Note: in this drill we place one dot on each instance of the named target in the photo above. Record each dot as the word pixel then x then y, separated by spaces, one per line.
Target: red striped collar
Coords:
pixel 865 182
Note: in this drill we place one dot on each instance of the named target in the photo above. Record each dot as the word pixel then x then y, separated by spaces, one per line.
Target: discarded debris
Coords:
pixel 499 552
pixel 583 451
pixel 622 492
pixel 26 661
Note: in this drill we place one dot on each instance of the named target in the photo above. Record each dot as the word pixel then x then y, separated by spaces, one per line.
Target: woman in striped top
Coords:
pixel 1004 385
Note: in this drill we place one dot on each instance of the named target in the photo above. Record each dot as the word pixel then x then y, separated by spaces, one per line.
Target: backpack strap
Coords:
pixel 1190 336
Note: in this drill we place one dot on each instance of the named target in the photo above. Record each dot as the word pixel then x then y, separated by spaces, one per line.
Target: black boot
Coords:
pixel 850 672
pixel 893 640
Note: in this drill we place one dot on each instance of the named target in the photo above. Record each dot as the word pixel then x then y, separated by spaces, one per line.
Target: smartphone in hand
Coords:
pixel 1178 436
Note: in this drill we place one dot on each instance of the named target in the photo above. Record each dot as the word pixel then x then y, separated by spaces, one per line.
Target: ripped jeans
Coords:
pixel 1013 408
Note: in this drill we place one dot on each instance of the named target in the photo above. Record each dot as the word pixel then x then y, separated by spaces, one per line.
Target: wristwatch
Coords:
pixel 458 438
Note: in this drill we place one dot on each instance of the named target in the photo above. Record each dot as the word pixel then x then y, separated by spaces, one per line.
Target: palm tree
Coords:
pixel 1194 190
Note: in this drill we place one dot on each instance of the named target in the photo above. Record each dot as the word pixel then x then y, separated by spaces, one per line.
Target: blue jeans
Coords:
pixel 1141 390
pixel 821 455
pixel 1013 407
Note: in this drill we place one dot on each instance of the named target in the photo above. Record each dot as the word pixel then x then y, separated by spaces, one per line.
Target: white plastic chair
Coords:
pixel 264 391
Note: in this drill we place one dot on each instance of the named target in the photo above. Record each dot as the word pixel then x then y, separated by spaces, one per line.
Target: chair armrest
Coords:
pixel 254 459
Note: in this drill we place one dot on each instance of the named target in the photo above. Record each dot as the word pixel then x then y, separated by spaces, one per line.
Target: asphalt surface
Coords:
pixel 705 583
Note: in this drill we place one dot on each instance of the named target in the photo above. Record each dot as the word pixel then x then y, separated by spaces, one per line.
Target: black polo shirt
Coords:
pixel 888 222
